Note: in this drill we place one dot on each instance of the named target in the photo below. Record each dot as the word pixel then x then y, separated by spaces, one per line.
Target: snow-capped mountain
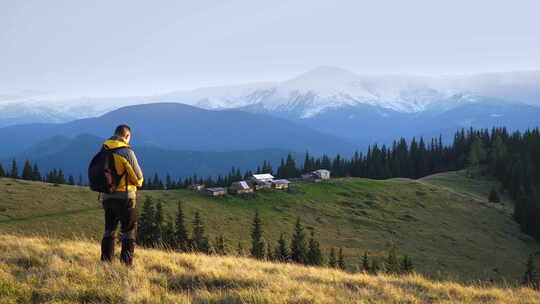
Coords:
pixel 329 88
pixel 360 108
pixel 24 107
pixel 318 90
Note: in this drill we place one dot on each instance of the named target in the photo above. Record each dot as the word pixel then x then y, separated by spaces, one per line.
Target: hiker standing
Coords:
pixel 115 172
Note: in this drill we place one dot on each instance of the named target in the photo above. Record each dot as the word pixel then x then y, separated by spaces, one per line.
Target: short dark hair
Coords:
pixel 122 130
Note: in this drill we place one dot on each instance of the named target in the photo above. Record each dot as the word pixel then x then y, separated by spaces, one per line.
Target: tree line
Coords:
pixel 173 234
pixel 512 158
pixel 401 159
pixel 32 172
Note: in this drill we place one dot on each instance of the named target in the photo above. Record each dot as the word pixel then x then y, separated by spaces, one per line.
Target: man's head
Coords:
pixel 123 131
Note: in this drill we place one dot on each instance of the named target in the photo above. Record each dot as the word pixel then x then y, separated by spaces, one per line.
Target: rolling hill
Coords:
pixel 73 155
pixel 44 270
pixel 449 233
pixel 177 126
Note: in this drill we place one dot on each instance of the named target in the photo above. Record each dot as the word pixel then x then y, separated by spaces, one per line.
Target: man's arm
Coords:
pixel 136 174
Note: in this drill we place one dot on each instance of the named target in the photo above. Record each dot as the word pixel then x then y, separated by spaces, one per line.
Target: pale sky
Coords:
pixel 128 47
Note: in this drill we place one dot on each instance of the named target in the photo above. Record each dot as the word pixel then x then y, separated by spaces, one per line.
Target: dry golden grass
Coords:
pixel 42 270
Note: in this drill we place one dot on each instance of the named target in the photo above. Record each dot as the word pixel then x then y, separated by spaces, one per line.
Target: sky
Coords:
pixel 132 48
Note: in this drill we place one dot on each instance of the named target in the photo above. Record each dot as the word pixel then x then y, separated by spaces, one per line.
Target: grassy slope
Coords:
pixel 450 235
pixel 459 182
pixel 41 270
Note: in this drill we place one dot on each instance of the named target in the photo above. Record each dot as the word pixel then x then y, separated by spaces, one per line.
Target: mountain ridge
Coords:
pixel 177 126
pixel 73 155
pixel 321 88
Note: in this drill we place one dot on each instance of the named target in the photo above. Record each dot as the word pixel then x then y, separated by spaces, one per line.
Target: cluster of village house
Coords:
pixel 260 181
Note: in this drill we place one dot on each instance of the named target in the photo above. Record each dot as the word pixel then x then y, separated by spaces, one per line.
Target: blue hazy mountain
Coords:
pixel 366 124
pixel 324 110
pixel 182 127
pixel 73 155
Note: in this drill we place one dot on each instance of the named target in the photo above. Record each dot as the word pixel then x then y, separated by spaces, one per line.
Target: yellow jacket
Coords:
pixel 125 159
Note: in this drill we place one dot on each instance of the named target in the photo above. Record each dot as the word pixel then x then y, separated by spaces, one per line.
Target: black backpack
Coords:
pixel 102 174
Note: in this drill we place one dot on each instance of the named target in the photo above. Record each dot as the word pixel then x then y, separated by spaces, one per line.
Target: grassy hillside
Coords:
pixel 459 182
pixel 448 233
pixel 42 270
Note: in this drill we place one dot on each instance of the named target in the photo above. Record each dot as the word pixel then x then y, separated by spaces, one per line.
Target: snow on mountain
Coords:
pixel 323 88
pixel 327 87
pixel 311 93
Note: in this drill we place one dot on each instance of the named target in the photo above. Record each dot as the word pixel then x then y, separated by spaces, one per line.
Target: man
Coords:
pixel 120 205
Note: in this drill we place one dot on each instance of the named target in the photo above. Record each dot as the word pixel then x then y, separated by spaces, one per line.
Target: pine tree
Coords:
pixel 406 265
pixel 181 233
pixel 71 180
pixel 2 172
pixel 168 234
pixel 332 261
pixel 27 171
pixel 220 245
pixel 257 245
pixel 341 260
pixel 61 179
pixel 36 175
pixel 531 276
pixel 269 253
pixel 365 262
pixel 146 224
pixel 200 242
pixel 14 173
pixel 156 182
pixel 375 267
pixel 282 252
pixel 476 155
pixel 494 196
pixel 290 165
pixel 168 182
pixel 158 224
pixel 391 263
pixel 314 254
pixel 298 244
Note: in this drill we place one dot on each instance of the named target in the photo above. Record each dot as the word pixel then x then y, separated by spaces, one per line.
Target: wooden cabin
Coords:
pixel 316 176
pixel 322 174
pixel 280 184
pixel 259 185
pixel 217 191
pixel 240 187
pixel 197 187
pixel 261 178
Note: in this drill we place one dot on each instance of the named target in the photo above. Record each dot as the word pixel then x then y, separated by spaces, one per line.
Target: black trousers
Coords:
pixel 123 212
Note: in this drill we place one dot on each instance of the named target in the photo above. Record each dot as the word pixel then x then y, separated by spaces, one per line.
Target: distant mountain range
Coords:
pixel 317 91
pixel 73 155
pixel 366 124
pixel 324 110
pixel 182 127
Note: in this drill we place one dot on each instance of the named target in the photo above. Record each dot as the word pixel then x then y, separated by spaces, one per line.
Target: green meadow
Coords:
pixel 444 222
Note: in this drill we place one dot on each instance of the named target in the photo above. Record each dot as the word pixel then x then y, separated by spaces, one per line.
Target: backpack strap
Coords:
pixel 125 174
